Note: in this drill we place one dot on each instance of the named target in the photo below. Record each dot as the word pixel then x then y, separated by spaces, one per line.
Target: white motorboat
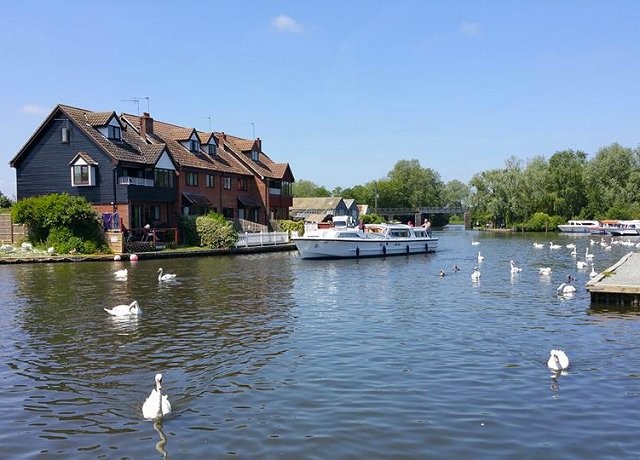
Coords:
pixel 377 240
pixel 579 226
pixel 625 228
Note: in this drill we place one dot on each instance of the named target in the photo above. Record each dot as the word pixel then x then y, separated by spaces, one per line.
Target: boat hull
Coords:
pixel 333 248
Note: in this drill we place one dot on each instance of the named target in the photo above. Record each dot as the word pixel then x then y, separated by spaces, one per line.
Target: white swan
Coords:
pixel 570 246
pixel 133 309
pixel 475 243
pixel 587 255
pixel 593 272
pixel 514 268
pixel 538 245
pixel 567 288
pixel 574 252
pixel 165 276
pixel 554 246
pixel 480 257
pixel 581 264
pixel 545 271
pixel 476 274
pixel 558 360
pixel 157 405
pixel 121 274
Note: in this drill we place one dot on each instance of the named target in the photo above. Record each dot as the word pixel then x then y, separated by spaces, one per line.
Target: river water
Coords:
pixel 270 356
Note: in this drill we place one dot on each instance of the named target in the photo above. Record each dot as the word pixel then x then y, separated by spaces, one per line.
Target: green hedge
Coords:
pixel 215 231
pixel 68 223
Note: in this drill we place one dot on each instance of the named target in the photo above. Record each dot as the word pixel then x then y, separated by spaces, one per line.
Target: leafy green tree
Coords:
pixel 306 188
pixel 5 202
pixel 608 175
pixel 565 184
pixel 415 186
pixel 456 194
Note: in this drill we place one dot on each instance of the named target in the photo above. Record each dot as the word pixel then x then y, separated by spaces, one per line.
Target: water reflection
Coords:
pixel 161 444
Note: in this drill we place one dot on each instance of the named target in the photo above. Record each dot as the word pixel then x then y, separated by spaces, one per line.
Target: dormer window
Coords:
pixel 194 145
pixel 114 133
pixel 211 148
pixel 83 171
pixel 255 155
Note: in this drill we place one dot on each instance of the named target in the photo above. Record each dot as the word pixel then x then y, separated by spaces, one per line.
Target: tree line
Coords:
pixel 533 194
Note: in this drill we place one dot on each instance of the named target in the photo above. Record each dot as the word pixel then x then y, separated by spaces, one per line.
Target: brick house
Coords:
pixel 141 171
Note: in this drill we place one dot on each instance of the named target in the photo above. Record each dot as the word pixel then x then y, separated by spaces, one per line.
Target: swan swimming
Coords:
pixel 157 405
pixel 593 272
pixel 514 268
pixel 558 360
pixel 480 257
pixel 121 274
pixel 567 288
pixel 538 245
pixel 133 309
pixel 475 243
pixel 545 271
pixel 165 276
pixel 587 255
pixel 574 252
pixel 476 274
pixel 554 246
pixel 581 264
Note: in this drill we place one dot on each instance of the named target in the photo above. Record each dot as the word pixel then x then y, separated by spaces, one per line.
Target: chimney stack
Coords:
pixel 259 143
pixel 146 125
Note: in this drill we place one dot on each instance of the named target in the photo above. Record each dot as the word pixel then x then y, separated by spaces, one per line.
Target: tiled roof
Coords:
pixel 265 167
pixel 86 157
pixel 99 118
pixel 315 203
pixel 122 151
pixel 170 135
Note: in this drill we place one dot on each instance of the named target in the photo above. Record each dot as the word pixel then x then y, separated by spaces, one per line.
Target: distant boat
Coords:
pixel 579 226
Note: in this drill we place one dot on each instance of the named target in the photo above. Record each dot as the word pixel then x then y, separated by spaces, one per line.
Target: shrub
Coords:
pixel 291 226
pixel 541 221
pixel 5 202
pixel 215 231
pixel 188 231
pixel 64 221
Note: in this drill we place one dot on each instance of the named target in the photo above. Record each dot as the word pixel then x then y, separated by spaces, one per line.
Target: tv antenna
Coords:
pixel 210 122
pixel 136 100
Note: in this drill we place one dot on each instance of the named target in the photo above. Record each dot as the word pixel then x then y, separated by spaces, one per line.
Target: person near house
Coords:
pixel 147 233
pixel 361 225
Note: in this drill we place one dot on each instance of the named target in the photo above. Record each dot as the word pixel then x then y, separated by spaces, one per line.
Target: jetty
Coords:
pixel 618 285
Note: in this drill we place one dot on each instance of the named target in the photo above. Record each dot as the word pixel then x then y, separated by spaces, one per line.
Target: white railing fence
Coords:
pixel 261 239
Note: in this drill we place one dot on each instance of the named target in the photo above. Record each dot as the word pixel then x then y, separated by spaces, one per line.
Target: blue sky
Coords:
pixel 339 90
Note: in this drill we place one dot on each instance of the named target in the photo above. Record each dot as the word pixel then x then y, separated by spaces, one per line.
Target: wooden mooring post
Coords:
pixel 618 285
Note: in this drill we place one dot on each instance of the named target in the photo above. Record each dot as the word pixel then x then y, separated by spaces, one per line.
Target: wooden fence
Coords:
pixel 10 232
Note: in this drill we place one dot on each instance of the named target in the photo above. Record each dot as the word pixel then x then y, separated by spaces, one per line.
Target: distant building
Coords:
pixel 321 209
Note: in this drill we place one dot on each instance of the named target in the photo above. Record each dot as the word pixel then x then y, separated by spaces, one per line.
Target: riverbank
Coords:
pixel 40 257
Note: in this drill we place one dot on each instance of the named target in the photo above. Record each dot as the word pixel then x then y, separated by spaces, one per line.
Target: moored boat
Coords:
pixel 625 228
pixel 579 226
pixel 378 240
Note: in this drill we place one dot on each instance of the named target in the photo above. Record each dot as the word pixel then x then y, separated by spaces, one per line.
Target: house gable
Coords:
pixel 165 162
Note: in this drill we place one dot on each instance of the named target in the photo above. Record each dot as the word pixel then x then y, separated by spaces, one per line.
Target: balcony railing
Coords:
pixel 135 181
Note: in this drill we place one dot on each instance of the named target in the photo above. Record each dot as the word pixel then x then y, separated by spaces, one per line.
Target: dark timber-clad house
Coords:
pixel 137 171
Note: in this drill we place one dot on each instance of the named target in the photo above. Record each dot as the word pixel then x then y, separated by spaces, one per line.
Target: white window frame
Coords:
pixel 255 155
pixel 91 170
pixel 226 181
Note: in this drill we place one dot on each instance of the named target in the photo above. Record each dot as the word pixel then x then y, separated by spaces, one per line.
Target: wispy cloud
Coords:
pixel 284 23
pixel 33 109
pixel 470 29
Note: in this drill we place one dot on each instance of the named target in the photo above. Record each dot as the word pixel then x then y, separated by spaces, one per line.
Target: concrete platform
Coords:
pixel 619 284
